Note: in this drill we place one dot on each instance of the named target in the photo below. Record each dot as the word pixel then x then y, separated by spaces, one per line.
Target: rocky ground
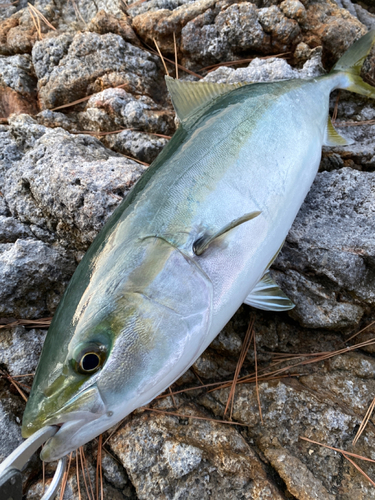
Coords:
pixel 65 167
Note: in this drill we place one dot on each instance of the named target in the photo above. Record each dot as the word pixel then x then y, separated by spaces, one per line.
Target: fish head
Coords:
pixel 132 331
pixel 66 391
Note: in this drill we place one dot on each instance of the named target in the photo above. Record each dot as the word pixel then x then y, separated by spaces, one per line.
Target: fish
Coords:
pixel 192 241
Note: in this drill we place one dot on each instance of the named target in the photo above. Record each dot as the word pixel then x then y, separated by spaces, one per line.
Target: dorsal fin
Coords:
pixel 188 97
pixel 333 138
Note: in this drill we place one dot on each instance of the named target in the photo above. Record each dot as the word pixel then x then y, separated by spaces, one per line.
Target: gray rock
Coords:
pixel 114 472
pixel 264 70
pixel 10 421
pixel 116 108
pixel 68 185
pixel 11 230
pixel 144 147
pixel 15 352
pixel 327 262
pixel 82 11
pixel 173 458
pixel 9 153
pixel 136 8
pixel 70 69
pixel 17 72
pixel 33 276
pixel 211 38
pixel 84 488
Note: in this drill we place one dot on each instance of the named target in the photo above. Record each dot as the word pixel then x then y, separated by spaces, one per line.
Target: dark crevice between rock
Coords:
pixel 279 482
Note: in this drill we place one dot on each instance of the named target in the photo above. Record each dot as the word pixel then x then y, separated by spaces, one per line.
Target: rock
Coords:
pixel 33 276
pixel 15 352
pixel 264 70
pixel 11 410
pixel 294 9
pixel 114 109
pixel 87 483
pixel 104 23
pixel 18 86
pixel 11 230
pixel 327 261
pixel 333 28
pixel 144 147
pixel 166 456
pixel 240 28
pixel 13 102
pixel 17 72
pixel 160 24
pixel 20 40
pixel 69 69
pixel 68 185
pixel 5 26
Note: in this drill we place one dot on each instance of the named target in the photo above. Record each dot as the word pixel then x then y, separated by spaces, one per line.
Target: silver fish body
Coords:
pixel 142 300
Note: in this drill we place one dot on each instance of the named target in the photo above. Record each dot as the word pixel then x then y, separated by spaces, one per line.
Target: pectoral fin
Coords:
pixel 333 138
pixel 202 243
pixel 268 296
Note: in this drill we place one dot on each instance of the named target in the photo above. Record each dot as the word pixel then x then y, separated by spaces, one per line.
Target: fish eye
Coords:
pixel 90 362
pixel 89 359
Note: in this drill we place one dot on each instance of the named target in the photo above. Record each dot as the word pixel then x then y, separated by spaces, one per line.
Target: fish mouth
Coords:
pixel 64 441
pixel 77 419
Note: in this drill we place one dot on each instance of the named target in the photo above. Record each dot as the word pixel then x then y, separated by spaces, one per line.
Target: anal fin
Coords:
pixel 268 296
pixel 333 138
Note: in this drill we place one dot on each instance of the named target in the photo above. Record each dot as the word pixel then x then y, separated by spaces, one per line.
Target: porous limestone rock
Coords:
pixel 173 457
pixel 328 260
pixel 71 68
pixel 68 185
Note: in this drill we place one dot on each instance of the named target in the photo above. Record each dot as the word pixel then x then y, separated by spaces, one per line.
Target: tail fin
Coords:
pixel 351 63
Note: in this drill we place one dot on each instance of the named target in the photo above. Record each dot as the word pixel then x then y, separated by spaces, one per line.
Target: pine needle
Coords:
pixel 353 124
pixel 38 14
pixel 99 476
pixel 65 477
pixel 241 359
pixel 136 160
pixel 256 380
pixel 77 12
pixel 44 476
pixel 359 468
pixel 36 23
pixel 100 134
pixel 334 115
pixel 172 396
pixel 360 331
pixel 77 472
pixel 114 431
pixel 364 422
pixel 193 416
pixel 30 323
pixel 213 67
pixel 161 57
pixel 175 54
pixel 360 457
pixel 84 470
pixel 15 384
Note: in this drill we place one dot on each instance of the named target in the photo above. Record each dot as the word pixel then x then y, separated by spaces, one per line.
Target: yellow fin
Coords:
pixel 188 97
pixel 351 62
pixel 333 138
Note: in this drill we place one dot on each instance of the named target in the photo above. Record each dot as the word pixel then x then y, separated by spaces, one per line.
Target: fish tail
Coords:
pixel 351 64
